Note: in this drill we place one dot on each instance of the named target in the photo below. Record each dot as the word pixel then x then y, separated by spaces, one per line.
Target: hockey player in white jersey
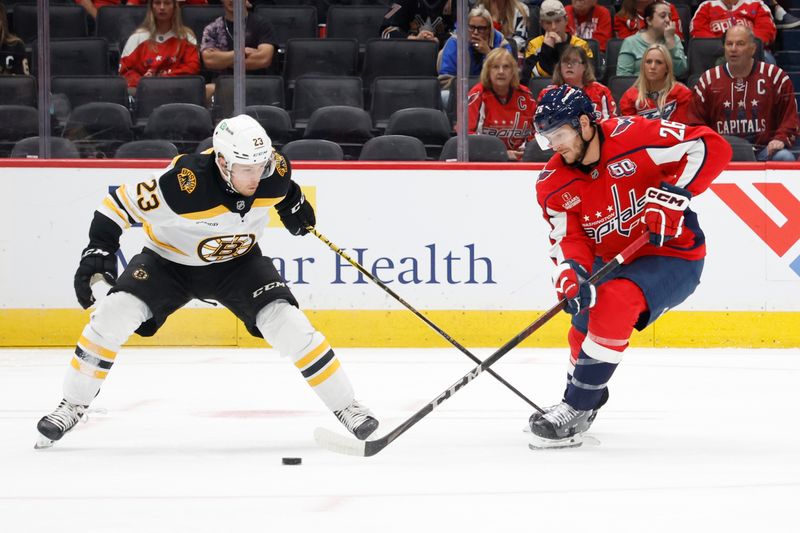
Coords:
pixel 202 219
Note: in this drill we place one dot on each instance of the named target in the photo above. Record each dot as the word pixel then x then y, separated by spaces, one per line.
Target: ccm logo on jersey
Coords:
pixel 268 287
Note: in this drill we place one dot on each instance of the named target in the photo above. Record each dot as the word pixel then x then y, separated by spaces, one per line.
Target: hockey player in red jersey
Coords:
pixel 606 185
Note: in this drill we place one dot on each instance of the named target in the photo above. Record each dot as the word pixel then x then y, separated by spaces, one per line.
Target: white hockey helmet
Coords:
pixel 241 139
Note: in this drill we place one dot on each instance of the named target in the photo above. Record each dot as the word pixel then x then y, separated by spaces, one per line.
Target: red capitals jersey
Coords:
pixel 511 122
pixel 600 95
pixel 714 17
pixel 759 108
pixel 596 212
pixel 166 55
pixel 676 106
pixel 596 24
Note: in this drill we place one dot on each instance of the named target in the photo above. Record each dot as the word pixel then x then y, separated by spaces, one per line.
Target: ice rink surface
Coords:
pixel 191 441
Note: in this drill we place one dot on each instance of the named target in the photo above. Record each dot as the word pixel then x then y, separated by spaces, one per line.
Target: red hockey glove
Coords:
pixel 569 279
pixel 663 212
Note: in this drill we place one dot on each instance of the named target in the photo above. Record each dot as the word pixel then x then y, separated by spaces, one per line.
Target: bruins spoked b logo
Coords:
pixel 140 274
pixel 225 248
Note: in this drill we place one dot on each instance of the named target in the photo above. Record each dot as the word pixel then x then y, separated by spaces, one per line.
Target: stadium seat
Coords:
pixel 259 90
pixel 482 148
pixel 613 46
pixel 290 21
pixel 275 120
pixel 204 145
pixel 392 93
pixel 398 57
pixel 80 90
pixel 18 90
pixel 430 126
pixel 147 149
pixel 313 150
pixel 73 57
pixel 742 149
pixel 66 21
pixel 319 57
pixel 534 154
pixel 186 125
pixel 619 84
pixel 116 23
pixel 450 106
pixel 16 123
pixel 313 92
pixel 60 148
pixel 598 59
pixel 155 91
pixel 537 84
pixel 355 22
pixel 393 148
pixel 349 127
pixel 198 16
pixel 99 128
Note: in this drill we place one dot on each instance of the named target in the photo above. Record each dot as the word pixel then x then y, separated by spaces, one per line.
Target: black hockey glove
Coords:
pixel 295 212
pixel 94 261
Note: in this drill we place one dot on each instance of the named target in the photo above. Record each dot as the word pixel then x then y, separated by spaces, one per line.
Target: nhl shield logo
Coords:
pixel 140 274
pixel 187 181
pixel 240 205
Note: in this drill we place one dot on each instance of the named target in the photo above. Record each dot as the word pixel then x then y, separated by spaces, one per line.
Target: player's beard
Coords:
pixel 584 146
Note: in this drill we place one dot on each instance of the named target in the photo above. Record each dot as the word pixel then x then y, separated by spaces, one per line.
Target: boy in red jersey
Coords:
pixel 749 99
pixel 608 184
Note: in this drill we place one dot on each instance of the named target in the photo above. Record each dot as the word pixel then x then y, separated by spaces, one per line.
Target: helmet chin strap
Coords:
pixel 585 146
pixel 227 176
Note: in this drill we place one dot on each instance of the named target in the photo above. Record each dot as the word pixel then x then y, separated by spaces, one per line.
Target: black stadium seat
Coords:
pixel 158 90
pixel 198 16
pixel 73 57
pixel 60 148
pixel 186 125
pixel 116 23
pixel 81 90
pixel 99 128
pixel 259 90
pixel 482 148
pixel 16 123
pixel 275 121
pixel 290 21
pixel 313 150
pixel 398 57
pixel 319 57
pixel 66 21
pixel 392 93
pixel 393 148
pixel 349 127
pixel 313 92
pixel 430 126
pixel 18 90
pixel 355 22
pixel 146 149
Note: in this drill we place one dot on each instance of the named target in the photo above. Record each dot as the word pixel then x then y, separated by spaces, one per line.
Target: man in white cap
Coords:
pixel 543 51
pixel 202 217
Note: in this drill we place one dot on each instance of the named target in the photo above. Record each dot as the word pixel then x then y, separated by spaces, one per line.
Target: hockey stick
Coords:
pixel 434 327
pixel 337 443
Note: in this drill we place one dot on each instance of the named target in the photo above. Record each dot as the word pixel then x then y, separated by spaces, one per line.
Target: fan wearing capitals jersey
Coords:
pixel 656 93
pixel 749 99
pixel 713 18
pixel 608 184
pixel 500 106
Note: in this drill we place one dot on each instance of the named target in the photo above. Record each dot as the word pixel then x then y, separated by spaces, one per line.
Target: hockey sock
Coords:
pixel 611 322
pixel 288 330
pixel 116 318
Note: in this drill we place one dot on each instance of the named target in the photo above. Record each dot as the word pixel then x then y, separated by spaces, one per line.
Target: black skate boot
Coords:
pixel 53 426
pixel 537 415
pixel 560 427
pixel 358 420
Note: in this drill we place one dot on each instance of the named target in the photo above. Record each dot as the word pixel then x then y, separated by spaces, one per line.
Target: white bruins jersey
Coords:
pixel 191 217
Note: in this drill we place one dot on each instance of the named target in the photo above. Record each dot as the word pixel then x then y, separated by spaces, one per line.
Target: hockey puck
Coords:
pixel 292 460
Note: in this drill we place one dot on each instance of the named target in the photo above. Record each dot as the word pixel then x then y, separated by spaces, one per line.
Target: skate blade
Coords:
pixel 538 443
pixel 43 443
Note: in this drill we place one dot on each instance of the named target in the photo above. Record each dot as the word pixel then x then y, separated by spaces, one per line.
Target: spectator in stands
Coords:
pixel 430 20
pixel 161 46
pixel 483 38
pixel 510 17
pixel 713 17
pixel 543 51
pixel 575 68
pixel 587 20
pixel 216 46
pixel 783 20
pixel 630 19
pixel 659 29
pixel 91 6
pixel 656 93
pixel 748 98
pixel 500 106
pixel 13 59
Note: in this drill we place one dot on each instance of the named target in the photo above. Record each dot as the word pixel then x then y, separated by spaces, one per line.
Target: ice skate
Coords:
pixel 560 427
pixel 537 415
pixel 53 426
pixel 358 420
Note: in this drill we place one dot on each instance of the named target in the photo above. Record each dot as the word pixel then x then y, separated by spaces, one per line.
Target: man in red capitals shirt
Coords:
pixel 587 20
pixel 714 17
pixel 608 184
pixel 749 99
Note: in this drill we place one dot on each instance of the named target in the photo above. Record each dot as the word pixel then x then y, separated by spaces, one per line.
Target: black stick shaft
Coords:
pixel 374 446
pixel 419 315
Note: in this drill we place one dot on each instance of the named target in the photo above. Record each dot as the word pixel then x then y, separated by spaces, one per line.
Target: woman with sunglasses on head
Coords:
pixel 656 93
pixel 660 29
pixel 575 68
pixel 483 38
